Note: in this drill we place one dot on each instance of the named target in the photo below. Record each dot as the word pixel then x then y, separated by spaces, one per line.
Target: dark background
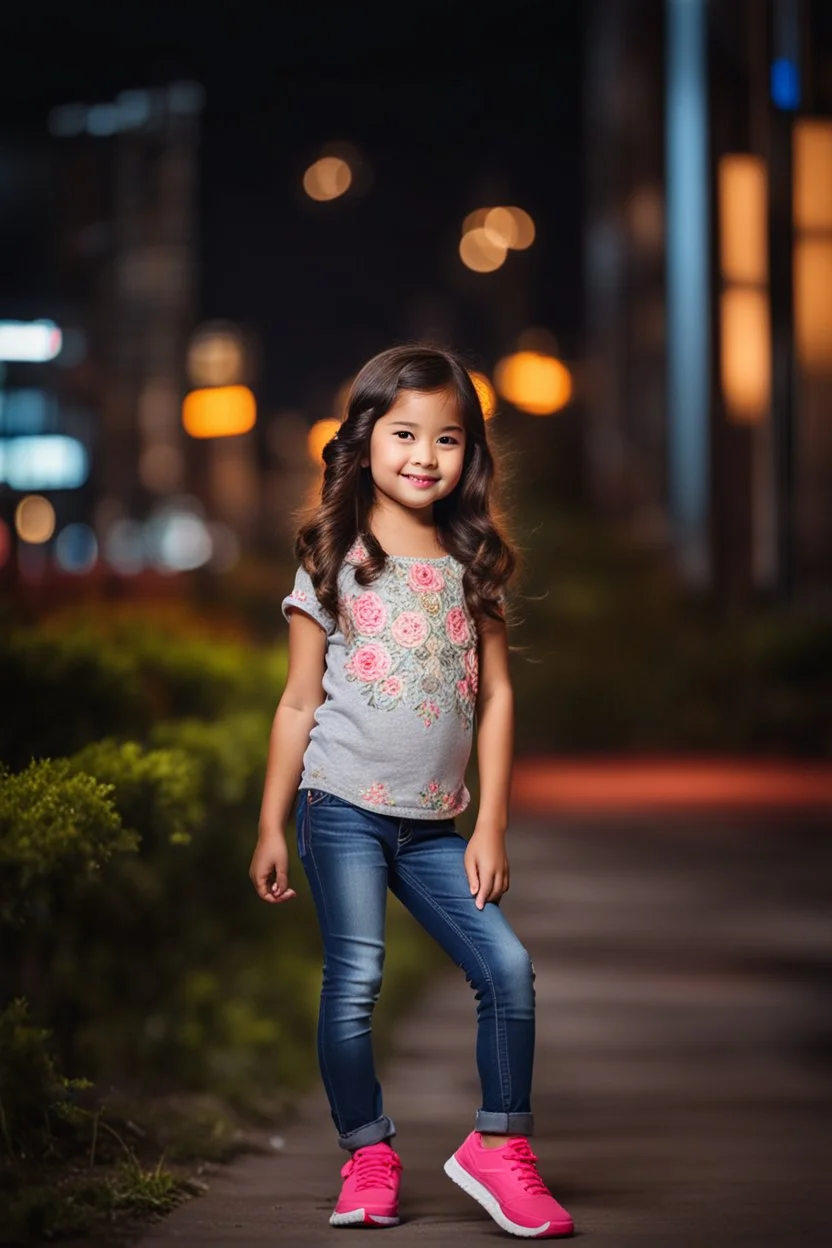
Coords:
pixel 450 107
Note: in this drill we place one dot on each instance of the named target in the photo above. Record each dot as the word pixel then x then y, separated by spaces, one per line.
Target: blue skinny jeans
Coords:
pixel 351 857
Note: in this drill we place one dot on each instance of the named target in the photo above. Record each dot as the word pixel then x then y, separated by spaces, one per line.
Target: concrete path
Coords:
pixel 683 1079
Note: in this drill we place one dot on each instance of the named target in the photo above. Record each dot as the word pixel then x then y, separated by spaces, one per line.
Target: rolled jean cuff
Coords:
pixel 504 1124
pixel 373 1133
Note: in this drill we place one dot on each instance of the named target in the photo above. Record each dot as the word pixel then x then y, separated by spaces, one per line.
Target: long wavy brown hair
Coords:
pixel 466 520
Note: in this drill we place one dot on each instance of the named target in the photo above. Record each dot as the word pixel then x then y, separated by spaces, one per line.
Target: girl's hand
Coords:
pixel 486 866
pixel 269 870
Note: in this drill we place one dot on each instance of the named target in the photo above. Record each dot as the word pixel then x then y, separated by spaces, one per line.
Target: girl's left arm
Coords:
pixel 486 862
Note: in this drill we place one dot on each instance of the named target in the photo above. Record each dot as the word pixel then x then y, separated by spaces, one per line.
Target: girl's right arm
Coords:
pixel 293 722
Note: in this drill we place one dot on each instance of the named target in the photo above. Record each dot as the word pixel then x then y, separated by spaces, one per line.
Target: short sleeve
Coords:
pixel 303 598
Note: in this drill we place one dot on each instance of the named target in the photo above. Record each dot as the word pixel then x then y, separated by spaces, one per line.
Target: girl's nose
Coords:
pixel 424 456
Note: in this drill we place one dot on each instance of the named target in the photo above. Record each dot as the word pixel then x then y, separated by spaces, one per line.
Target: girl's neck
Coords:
pixel 418 541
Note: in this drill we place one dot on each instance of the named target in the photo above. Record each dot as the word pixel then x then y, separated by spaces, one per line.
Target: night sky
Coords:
pixel 451 106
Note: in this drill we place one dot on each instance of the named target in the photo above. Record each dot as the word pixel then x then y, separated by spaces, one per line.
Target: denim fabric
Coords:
pixel 351 857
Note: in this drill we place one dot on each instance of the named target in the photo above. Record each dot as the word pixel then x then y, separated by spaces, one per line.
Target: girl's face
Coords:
pixel 417 449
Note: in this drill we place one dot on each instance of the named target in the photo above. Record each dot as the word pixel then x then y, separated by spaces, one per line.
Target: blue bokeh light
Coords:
pixel 785 83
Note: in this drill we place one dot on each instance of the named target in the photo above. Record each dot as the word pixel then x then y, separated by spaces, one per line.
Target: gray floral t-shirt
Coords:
pixel 394 734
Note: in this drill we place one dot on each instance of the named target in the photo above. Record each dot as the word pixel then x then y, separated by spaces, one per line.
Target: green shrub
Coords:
pixel 75 687
pixel 58 827
pixel 35 1098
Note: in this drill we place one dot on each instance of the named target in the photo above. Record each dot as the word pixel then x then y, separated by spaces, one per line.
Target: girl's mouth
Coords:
pixel 421 482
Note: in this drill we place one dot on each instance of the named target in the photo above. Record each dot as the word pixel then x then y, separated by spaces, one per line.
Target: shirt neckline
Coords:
pixel 419 558
pixel 413 558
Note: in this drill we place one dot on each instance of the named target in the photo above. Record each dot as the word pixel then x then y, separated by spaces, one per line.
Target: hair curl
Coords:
pixel 465 520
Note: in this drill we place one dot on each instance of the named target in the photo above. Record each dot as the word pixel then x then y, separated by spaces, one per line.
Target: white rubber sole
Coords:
pixel 491 1205
pixel 357 1217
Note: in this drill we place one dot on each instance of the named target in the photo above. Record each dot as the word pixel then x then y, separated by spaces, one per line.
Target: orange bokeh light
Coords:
pixel 327 178
pixel 219 412
pixel 321 432
pixel 533 382
pixel 479 251
pixel 745 353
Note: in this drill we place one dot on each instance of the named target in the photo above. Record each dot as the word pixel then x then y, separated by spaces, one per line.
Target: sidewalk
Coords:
pixel 681 1096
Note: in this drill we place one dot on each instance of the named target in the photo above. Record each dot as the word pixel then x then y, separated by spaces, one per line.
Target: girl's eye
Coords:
pixel 449 439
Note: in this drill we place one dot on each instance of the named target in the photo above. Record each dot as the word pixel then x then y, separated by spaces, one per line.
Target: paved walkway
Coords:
pixel 682 1083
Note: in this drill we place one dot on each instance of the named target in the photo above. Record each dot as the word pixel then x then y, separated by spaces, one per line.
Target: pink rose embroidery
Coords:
pixel 472 669
pixel 463 689
pixel 378 795
pixel 369 613
pixel 456 626
pixel 410 629
pixel 370 662
pixel 428 712
pixel 423 578
pixel 300 595
pixel 392 686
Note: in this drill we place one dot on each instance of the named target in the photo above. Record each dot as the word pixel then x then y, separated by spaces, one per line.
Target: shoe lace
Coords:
pixel 374 1169
pixel 525 1162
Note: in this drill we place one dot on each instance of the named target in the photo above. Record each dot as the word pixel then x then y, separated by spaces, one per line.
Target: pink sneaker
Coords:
pixel 506 1182
pixel 370 1192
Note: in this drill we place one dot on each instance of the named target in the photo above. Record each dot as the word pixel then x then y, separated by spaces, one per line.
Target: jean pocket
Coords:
pixel 316 797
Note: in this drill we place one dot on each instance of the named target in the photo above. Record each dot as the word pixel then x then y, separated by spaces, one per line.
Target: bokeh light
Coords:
pixel 813 302
pixel 327 178
pixel 812 181
pixel 76 549
pixel 320 433
pixel 479 251
pixel 501 226
pixel 34 341
pixel 743 218
pixel 44 462
pixel 745 353
pixel 219 412
pixel 124 546
pixel 485 394
pixel 522 227
pixel 34 519
pixel 489 233
pixel 533 382
pixel 475 220
pixel 216 356
pixel 177 539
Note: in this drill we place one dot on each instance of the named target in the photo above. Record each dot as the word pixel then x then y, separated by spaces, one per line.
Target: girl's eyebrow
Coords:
pixel 407 424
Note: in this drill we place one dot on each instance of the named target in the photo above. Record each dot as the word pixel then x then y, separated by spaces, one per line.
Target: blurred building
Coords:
pixel 110 255
pixel 709 284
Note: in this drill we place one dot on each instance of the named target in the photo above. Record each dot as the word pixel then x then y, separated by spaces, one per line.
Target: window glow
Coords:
pixel 48 462
pixel 31 341
pixel 745 353
pixel 812 193
pixel 219 412
pixel 743 219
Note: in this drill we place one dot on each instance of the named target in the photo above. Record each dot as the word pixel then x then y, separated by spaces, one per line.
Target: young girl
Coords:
pixel 396 643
